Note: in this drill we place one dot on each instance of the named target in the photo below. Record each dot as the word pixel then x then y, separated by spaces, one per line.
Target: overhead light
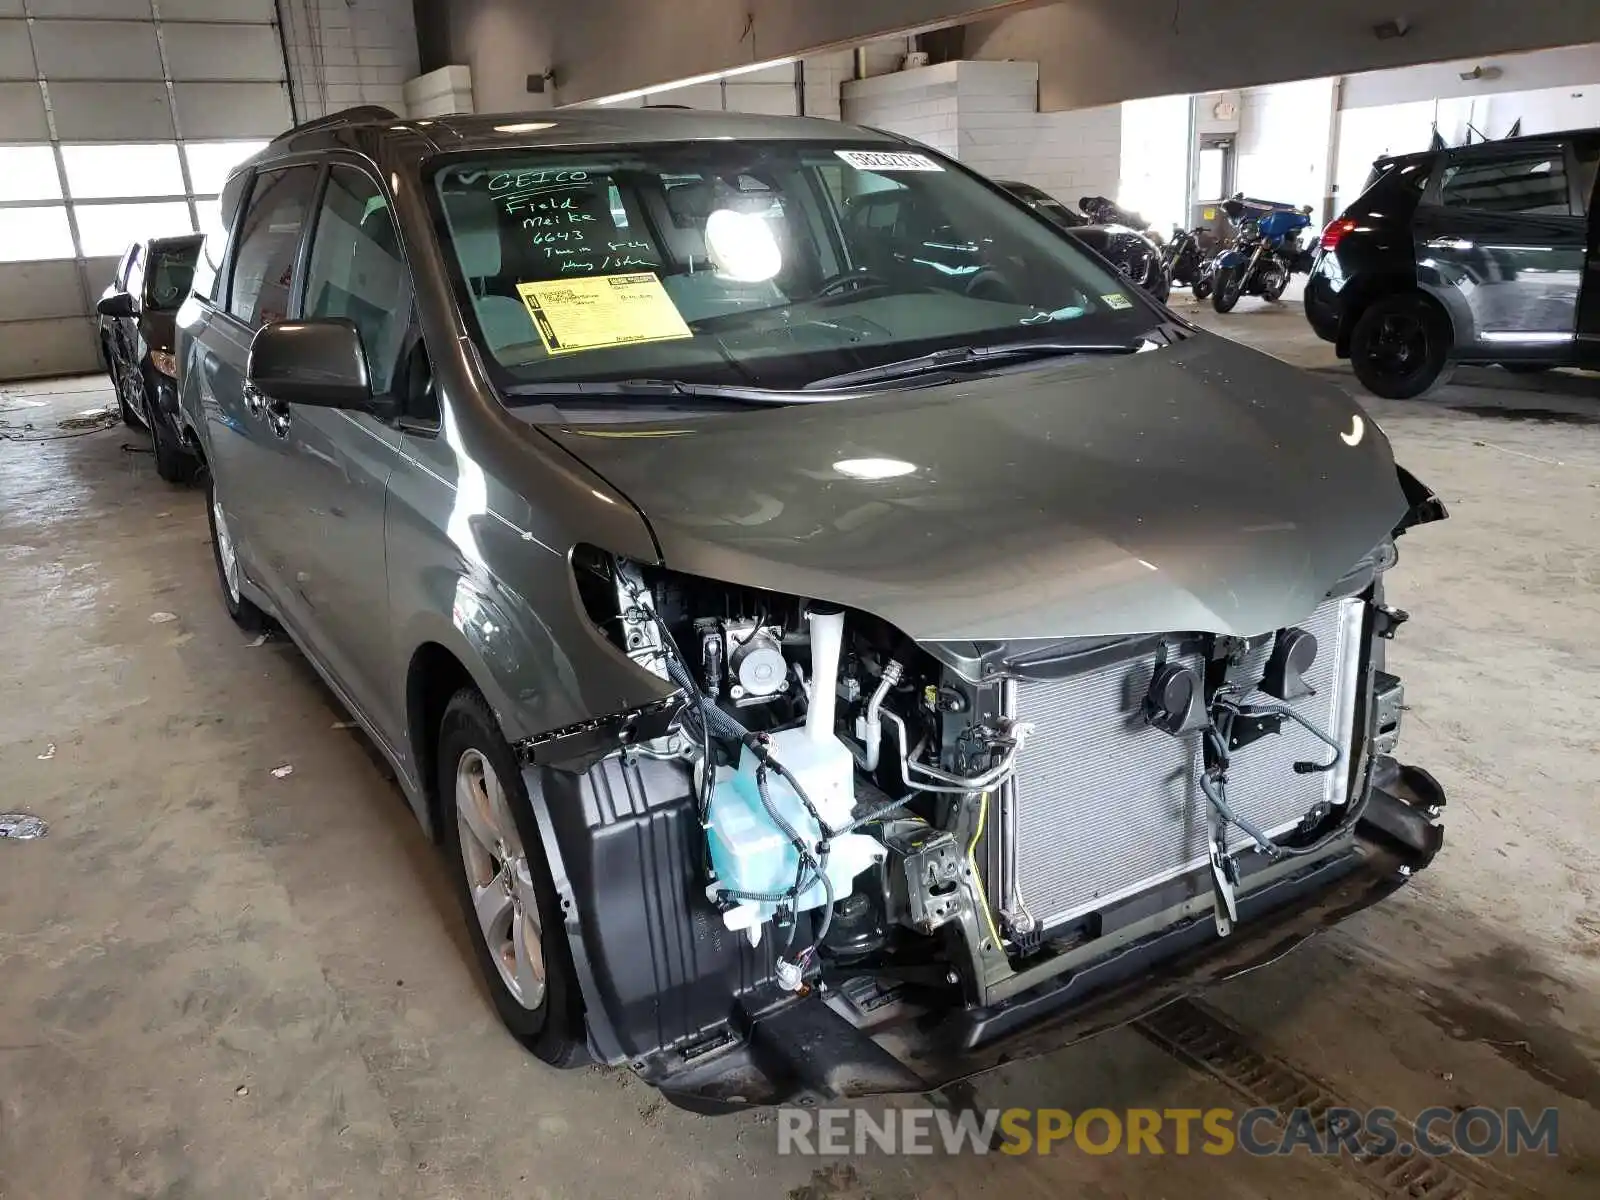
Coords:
pixel 525 127
pixel 874 468
pixel 709 77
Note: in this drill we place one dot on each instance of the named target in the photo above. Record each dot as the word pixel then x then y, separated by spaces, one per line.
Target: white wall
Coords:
pixel 1155 159
pixel 1284 138
pixel 1516 73
pixel 1396 112
pixel 347 52
pixel 920 104
pixel 1096 51
pixel 985 114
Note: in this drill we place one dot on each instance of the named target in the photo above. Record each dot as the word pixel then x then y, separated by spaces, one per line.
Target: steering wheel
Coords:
pixel 989 284
pixel 847 280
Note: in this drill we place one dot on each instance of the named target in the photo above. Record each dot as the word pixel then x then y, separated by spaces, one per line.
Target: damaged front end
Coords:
pixel 835 861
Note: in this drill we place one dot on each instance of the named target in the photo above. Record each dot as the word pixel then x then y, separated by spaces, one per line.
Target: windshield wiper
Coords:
pixel 961 357
pixel 656 388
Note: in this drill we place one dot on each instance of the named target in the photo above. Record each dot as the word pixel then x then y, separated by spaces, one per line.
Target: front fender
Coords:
pixel 1231 258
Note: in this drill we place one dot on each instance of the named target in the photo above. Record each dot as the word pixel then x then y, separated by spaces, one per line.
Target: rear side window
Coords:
pixel 358 272
pixel 169 275
pixel 1535 184
pixel 269 237
pixel 1411 177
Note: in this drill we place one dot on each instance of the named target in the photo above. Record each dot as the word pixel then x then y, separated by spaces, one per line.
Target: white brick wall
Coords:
pixel 1068 154
pixel 921 104
pixel 347 52
pixel 984 113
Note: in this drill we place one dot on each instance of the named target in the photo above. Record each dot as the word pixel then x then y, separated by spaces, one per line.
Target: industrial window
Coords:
pixel 210 162
pixel 1532 184
pixel 118 120
pixel 29 173
pixel 140 169
pixel 33 233
pixel 103 229
pixel 269 237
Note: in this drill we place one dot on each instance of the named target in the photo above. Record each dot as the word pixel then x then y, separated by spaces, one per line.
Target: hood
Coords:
pixel 1201 487
pixel 158 327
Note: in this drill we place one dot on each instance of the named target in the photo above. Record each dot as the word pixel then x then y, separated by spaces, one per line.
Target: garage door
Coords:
pixel 118 120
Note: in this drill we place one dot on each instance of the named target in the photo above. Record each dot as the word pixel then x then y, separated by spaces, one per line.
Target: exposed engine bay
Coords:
pixel 971 818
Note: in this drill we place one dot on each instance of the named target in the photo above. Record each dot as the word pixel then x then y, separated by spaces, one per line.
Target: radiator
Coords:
pixel 1104 806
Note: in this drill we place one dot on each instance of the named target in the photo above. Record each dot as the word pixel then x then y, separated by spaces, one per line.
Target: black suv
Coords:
pixel 137 311
pixel 1480 254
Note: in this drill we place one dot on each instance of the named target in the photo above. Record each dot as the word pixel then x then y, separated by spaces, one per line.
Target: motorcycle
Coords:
pixel 1187 264
pixel 1265 252
pixel 1102 211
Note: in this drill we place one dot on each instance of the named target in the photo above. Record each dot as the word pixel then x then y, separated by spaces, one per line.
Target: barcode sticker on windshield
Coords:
pixel 887 160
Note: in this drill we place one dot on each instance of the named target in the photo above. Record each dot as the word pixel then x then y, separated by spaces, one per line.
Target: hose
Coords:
pixel 955 784
pixel 872 743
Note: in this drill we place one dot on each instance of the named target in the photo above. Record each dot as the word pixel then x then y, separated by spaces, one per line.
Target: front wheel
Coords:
pixel 1202 287
pixel 1400 347
pixel 497 861
pixel 1228 286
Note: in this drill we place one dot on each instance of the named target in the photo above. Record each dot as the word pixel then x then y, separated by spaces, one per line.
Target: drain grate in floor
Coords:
pixel 1198 1037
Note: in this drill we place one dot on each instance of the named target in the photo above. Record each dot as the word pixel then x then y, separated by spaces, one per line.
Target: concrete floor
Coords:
pixel 216 982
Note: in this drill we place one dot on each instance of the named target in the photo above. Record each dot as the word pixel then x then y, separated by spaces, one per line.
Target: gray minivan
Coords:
pixel 842 634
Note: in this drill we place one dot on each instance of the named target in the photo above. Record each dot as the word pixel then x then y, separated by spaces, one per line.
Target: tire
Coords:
pixel 1157 283
pixel 1228 285
pixel 1400 347
pixel 1274 292
pixel 119 384
pixel 173 462
pixel 1202 288
pixel 245 614
pixel 477 768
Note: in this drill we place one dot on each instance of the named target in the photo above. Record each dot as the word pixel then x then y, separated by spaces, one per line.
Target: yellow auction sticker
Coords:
pixel 606 310
pixel 1116 300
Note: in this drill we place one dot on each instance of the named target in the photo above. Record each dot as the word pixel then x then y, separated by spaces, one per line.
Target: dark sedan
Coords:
pixel 1131 252
pixel 136 333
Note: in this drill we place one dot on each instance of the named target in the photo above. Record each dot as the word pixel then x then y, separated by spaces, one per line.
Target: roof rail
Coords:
pixel 358 115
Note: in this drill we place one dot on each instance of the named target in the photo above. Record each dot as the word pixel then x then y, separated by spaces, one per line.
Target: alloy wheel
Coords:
pixel 225 551
pixel 499 880
pixel 1401 344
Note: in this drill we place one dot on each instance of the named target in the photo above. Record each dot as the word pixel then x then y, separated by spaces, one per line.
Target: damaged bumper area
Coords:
pixel 691 1009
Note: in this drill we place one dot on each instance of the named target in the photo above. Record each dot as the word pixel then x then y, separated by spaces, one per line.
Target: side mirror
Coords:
pixel 117 304
pixel 319 363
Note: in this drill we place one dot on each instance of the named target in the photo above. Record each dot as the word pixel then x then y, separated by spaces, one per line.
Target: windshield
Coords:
pixel 753 264
pixel 171 273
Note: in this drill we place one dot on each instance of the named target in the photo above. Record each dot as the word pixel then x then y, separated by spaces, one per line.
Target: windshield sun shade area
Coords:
pixel 753 264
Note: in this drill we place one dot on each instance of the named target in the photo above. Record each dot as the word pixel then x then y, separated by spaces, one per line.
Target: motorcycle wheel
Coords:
pixel 1277 284
pixel 1228 285
pixel 1202 288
